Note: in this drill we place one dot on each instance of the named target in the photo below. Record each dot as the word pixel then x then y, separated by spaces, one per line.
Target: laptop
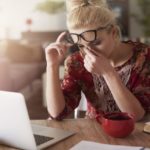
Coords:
pixel 16 130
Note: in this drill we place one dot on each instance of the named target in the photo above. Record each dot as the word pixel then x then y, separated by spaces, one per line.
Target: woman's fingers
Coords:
pixel 92 52
pixel 95 52
pixel 56 47
pixel 89 67
pixel 90 56
pixel 89 52
pixel 87 60
pixel 89 64
pixel 91 59
pixel 61 37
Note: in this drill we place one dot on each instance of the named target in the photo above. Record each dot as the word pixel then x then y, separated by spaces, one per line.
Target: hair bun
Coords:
pixel 73 4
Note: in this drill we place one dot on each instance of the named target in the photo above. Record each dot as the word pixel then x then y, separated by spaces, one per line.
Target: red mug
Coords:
pixel 117 124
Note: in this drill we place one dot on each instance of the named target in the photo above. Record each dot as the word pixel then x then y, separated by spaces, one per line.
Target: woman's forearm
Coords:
pixel 125 100
pixel 54 95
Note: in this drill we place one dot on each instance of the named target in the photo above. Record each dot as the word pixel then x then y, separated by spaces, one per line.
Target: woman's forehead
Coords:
pixel 83 29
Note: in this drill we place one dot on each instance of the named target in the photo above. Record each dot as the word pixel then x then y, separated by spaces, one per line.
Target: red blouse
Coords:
pixel 135 74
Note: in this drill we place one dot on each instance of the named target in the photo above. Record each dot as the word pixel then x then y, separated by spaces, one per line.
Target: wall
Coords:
pixel 46 22
pixel 135 29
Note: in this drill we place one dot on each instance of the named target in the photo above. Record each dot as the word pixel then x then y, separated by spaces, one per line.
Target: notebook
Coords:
pixel 16 130
pixel 147 127
pixel 89 145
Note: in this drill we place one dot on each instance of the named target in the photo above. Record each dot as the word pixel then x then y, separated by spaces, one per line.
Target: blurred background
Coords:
pixel 27 26
pixel 17 16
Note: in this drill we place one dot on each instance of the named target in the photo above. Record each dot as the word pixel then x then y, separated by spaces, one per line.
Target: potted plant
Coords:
pixel 51 6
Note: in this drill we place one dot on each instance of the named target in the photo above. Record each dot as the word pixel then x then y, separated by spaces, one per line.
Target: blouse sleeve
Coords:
pixel 71 85
pixel 140 79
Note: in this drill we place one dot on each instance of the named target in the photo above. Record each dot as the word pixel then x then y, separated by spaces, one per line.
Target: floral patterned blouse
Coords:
pixel 135 74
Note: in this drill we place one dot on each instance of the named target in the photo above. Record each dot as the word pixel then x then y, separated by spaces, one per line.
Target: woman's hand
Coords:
pixel 56 51
pixel 96 63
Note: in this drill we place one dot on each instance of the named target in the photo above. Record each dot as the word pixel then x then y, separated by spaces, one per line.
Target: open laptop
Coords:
pixel 16 130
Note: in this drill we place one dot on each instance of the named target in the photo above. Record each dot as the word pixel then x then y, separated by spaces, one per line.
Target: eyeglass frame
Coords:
pixel 69 38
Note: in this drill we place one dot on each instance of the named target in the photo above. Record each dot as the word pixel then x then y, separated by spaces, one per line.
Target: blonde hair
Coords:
pixel 83 13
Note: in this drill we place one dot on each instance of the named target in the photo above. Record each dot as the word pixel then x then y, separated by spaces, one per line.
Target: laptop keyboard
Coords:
pixel 41 139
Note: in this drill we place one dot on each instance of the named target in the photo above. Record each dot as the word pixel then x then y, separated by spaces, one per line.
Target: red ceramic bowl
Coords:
pixel 117 125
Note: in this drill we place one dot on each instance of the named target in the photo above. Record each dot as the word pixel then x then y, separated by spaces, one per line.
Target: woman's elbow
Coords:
pixel 139 116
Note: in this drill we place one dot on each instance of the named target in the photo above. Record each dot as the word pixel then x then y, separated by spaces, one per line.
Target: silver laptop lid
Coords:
pixel 15 129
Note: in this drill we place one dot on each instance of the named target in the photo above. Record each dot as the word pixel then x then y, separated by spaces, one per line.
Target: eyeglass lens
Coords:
pixel 87 36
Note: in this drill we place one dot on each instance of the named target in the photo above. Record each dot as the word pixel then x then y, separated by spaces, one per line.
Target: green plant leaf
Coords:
pixel 50 6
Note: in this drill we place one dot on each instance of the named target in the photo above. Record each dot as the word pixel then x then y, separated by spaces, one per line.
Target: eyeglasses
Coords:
pixel 88 36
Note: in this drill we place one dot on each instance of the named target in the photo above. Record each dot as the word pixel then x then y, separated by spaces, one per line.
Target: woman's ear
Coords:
pixel 114 32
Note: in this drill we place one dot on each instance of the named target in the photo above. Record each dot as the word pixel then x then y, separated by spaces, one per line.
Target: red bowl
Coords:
pixel 118 125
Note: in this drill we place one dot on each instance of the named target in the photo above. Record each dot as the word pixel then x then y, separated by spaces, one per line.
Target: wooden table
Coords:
pixel 90 130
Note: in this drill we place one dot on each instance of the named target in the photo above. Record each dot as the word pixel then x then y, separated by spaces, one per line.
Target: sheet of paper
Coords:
pixel 147 127
pixel 88 145
pixel 148 123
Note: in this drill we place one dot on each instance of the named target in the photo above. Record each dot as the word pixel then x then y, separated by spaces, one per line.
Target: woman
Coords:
pixel 113 75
